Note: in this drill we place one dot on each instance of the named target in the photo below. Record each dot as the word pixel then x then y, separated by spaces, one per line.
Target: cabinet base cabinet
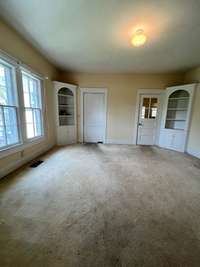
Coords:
pixel 174 140
pixel 66 135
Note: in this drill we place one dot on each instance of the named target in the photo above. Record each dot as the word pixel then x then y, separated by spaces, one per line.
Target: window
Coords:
pixel 149 108
pixel 9 132
pixel 32 105
pixel 21 112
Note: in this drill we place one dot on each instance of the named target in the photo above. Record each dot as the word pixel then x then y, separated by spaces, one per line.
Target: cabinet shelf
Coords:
pixel 68 116
pixel 174 129
pixel 178 98
pixel 70 96
pixel 170 119
pixel 177 109
pixel 66 105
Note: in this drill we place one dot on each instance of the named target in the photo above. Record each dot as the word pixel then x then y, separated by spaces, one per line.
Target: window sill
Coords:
pixel 21 146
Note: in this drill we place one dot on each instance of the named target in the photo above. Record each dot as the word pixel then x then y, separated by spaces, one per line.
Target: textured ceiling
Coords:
pixel 94 35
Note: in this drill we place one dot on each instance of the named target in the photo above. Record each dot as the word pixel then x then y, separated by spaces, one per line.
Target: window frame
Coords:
pixel 15 106
pixel 24 142
pixel 41 108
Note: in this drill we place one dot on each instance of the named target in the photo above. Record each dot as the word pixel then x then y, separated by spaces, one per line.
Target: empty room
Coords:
pixel 99 133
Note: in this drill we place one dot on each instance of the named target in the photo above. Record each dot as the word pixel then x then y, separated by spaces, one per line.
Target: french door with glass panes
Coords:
pixel 147 121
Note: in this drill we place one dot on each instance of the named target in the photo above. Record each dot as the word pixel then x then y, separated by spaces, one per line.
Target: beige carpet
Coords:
pixel 102 205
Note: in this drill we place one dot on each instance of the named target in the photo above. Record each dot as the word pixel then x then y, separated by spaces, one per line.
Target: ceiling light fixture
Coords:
pixel 139 38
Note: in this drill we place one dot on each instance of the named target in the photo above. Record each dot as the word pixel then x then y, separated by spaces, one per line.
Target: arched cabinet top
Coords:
pixel 65 91
pixel 179 94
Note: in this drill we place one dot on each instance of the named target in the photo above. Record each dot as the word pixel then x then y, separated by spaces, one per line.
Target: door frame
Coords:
pixel 140 92
pixel 92 90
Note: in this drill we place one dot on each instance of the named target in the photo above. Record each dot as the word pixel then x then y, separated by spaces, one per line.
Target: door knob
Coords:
pixel 139 124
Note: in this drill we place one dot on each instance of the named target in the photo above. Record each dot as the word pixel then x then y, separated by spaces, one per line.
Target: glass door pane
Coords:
pixel 153 108
pixel 145 108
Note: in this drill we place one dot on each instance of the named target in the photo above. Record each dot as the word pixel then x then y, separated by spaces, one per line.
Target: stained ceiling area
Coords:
pixel 94 36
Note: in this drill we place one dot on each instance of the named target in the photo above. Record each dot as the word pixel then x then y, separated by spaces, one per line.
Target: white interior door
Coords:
pixel 147 122
pixel 94 117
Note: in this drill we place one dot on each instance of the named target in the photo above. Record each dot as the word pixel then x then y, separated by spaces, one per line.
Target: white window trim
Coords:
pixel 41 108
pixel 24 142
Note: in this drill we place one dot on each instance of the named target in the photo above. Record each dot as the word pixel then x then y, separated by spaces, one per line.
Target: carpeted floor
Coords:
pixel 102 205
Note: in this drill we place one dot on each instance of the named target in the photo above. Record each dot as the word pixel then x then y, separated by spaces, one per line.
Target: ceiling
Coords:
pixel 94 35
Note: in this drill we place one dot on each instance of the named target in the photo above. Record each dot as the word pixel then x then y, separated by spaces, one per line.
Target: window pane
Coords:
pixel 30 130
pixel 145 108
pixel 11 125
pixel 29 123
pixel 10 116
pixel 29 116
pixel 145 112
pixel 31 89
pixel 3 95
pixel 2 130
pixel 34 93
pixel 146 102
pixel 2 75
pixel 2 137
pixel 154 102
pixel 1 117
pixel 26 91
pixel 153 109
pixel 153 113
pixel 12 134
pixel 6 88
pixel 37 121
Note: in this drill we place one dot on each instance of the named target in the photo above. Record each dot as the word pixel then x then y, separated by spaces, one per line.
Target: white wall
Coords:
pixel 193 146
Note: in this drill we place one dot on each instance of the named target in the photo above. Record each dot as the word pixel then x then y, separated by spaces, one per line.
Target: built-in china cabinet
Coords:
pixel 65 103
pixel 176 116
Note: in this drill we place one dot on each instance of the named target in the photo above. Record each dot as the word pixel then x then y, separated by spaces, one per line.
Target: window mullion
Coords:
pixel 18 121
pixel 20 110
pixel 29 93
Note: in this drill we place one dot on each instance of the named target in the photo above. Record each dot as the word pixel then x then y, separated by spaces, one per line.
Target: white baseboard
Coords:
pixel 118 142
pixel 193 153
pixel 16 164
